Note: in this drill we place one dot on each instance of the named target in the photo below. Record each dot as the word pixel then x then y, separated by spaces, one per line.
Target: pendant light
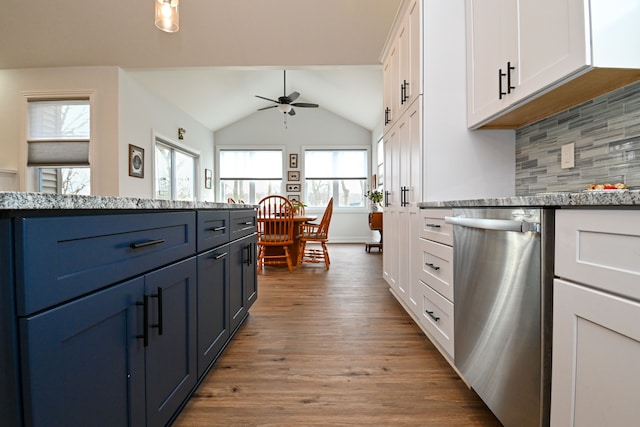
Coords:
pixel 167 15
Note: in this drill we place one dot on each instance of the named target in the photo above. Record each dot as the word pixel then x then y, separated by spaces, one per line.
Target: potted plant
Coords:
pixel 298 207
pixel 375 197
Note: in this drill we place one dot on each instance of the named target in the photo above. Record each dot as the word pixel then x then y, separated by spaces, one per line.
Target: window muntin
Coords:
pixel 341 174
pixel 250 175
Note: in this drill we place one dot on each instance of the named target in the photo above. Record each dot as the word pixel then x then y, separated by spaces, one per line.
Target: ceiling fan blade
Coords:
pixel 266 108
pixel 292 112
pixel 268 99
pixel 293 96
pixel 305 105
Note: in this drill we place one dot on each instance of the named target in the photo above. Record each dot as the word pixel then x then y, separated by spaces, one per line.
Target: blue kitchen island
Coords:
pixel 114 309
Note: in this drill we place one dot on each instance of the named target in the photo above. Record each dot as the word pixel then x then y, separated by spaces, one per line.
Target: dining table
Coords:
pixel 298 220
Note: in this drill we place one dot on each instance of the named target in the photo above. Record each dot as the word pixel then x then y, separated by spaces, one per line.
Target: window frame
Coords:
pixel 335 189
pixel 217 179
pixel 33 174
pixel 184 149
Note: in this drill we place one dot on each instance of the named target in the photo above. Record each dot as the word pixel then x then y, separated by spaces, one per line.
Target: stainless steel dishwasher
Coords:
pixel 503 273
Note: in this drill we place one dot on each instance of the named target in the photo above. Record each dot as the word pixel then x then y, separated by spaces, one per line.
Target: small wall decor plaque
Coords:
pixel 208 177
pixel 136 161
pixel 293 176
pixel 293 161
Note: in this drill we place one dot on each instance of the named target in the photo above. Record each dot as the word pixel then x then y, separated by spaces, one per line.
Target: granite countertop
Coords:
pixel 604 198
pixel 37 201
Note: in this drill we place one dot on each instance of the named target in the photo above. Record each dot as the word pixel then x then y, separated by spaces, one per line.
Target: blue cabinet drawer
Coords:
pixel 243 223
pixel 213 229
pixel 61 258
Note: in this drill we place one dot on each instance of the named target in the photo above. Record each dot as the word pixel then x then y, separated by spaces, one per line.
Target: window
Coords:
pixel 380 177
pixel 174 172
pixel 58 140
pixel 250 175
pixel 341 174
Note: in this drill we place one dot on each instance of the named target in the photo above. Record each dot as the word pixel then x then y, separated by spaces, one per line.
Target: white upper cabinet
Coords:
pixel 525 50
pixel 402 64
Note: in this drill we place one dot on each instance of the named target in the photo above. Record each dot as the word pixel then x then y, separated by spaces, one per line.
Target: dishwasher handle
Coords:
pixel 494 224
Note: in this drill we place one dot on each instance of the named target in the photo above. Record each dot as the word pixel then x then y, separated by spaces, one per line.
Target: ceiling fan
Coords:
pixel 286 103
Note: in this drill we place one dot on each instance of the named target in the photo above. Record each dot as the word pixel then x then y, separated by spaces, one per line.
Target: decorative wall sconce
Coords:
pixel 167 15
pixel 181 132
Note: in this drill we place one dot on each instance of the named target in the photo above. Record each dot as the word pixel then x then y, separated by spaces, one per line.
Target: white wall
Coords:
pixel 100 82
pixel 143 114
pixel 123 113
pixel 309 128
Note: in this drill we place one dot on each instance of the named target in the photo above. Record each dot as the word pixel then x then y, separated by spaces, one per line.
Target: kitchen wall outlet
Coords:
pixel 567 158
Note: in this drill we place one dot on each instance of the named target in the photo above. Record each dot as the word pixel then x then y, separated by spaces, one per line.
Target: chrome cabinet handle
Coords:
pixel 434 317
pixel 221 228
pixel 435 267
pixel 220 256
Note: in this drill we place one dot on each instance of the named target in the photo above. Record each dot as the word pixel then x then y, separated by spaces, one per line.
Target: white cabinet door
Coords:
pixel 552 43
pixel 517 48
pixel 391 90
pixel 491 44
pixel 390 257
pixel 596 354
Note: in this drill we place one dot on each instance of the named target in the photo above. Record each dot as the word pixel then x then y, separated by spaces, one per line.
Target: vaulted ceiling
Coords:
pixel 226 51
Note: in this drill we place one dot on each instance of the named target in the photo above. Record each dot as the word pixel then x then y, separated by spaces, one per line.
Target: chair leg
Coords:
pixel 301 249
pixel 288 255
pixel 325 252
pixel 260 257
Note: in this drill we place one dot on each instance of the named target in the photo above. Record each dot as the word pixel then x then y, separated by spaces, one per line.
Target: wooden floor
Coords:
pixel 332 348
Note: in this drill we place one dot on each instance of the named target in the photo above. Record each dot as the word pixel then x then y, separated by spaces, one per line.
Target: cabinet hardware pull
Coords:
pixel 249 260
pixel 430 313
pixel 509 70
pixel 145 320
pixel 403 196
pixel 218 228
pixel 160 323
pixel 501 93
pixel 405 95
pixel 402 93
pixel 145 244
pixel 222 255
pixel 435 267
pixel 433 225
pixel 387 119
pixel 386 198
pixel 247 223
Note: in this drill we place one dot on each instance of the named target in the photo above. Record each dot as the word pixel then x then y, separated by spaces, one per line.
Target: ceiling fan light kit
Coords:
pixel 167 15
pixel 286 103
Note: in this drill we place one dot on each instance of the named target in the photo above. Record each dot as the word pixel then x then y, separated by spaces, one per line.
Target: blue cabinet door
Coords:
pixel 213 305
pixel 82 363
pixel 171 356
pixel 250 274
pixel 242 281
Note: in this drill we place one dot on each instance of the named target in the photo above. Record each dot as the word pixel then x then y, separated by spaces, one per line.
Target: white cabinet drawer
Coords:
pixel 433 227
pixel 436 267
pixel 436 317
pixel 600 248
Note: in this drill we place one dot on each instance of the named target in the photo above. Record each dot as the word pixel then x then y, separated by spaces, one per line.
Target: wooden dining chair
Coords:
pixel 275 231
pixel 316 233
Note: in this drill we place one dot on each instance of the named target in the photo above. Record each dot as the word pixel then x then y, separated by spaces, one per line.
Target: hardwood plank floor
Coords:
pixel 332 348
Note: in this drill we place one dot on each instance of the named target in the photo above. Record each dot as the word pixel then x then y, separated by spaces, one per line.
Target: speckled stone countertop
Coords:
pixel 604 198
pixel 39 201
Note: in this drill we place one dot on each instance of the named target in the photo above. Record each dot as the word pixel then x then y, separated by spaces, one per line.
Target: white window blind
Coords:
pixel 58 132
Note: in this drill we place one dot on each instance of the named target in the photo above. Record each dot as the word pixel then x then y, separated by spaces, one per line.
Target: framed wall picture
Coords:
pixel 293 176
pixel 208 177
pixel 294 197
pixel 293 188
pixel 293 161
pixel 136 161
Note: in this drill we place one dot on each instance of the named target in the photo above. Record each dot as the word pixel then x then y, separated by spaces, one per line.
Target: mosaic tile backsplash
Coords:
pixel 606 133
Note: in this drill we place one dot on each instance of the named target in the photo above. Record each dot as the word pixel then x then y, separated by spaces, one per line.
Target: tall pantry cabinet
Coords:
pixel 429 153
